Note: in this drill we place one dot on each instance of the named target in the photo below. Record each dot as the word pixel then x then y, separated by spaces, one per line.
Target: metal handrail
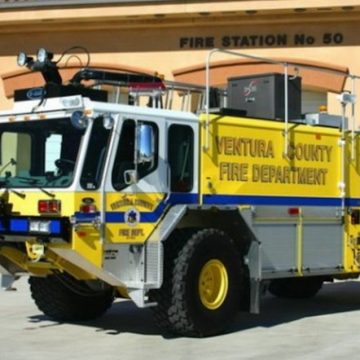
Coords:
pixel 286 66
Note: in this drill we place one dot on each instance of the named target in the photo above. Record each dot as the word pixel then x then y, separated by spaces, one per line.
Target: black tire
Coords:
pixel 181 308
pixel 163 296
pixel 296 288
pixel 64 298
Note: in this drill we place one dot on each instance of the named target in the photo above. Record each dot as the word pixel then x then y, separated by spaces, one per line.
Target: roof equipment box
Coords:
pixel 262 96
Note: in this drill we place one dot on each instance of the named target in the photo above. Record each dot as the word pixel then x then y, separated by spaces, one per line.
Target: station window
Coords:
pixel 181 157
pixel 312 101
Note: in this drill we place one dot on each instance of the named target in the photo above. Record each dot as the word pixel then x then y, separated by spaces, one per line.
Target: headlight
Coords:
pixel 40 227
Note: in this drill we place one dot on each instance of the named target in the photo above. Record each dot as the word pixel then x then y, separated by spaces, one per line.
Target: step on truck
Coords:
pixel 107 191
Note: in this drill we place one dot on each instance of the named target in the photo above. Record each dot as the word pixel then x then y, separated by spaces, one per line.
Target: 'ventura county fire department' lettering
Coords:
pixel 288 175
pixel 230 171
pixel 267 173
pixel 309 152
pixel 244 147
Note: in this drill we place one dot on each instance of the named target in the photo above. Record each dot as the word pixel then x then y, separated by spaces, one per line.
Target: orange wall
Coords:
pixel 168 37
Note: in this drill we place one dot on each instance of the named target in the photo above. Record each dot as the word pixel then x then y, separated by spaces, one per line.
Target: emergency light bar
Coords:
pixel 119 79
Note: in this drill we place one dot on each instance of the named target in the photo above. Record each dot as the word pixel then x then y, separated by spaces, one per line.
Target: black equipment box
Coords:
pixel 263 96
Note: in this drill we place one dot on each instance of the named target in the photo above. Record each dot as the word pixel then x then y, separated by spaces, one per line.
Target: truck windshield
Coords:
pixel 38 153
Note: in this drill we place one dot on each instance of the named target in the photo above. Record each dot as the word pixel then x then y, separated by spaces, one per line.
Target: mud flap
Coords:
pixel 6 282
pixel 254 263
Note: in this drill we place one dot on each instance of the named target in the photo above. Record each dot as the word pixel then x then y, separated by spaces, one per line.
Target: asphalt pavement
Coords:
pixel 324 327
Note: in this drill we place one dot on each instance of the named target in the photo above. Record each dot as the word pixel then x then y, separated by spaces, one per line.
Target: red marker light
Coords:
pixel 49 206
pixel 293 211
pixel 88 208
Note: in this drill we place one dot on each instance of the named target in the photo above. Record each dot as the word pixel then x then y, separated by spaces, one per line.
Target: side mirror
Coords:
pixel 145 144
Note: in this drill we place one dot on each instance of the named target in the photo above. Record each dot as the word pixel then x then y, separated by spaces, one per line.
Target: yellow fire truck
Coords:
pixel 188 212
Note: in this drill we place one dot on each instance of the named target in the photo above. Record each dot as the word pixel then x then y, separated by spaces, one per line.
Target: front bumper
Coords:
pixel 21 228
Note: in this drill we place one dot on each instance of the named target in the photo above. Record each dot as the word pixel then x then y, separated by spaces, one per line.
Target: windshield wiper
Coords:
pixel 11 162
pixel 33 182
pixel 3 184
pixel 48 193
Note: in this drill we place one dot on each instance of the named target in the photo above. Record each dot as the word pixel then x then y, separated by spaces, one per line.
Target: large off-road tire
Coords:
pixel 296 288
pixel 203 281
pixel 64 298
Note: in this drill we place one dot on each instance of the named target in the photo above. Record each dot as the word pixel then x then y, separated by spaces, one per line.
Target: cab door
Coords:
pixel 137 182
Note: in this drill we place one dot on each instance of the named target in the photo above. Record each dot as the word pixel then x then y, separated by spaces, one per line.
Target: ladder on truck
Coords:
pixel 152 91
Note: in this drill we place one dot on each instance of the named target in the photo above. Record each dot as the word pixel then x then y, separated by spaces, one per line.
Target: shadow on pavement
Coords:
pixel 125 317
pixel 122 317
pixel 333 298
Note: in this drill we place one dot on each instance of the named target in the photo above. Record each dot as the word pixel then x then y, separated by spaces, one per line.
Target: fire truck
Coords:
pixel 107 191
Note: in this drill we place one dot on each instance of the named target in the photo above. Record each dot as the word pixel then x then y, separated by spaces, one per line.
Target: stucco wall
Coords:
pixel 167 37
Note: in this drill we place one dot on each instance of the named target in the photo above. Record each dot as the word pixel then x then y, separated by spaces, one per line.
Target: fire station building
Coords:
pixel 173 38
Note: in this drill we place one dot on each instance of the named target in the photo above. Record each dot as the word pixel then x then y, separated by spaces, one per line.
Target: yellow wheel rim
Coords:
pixel 213 284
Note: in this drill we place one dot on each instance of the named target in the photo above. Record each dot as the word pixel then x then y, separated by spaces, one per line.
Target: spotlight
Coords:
pixel 23 59
pixel 42 63
pixel 43 55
